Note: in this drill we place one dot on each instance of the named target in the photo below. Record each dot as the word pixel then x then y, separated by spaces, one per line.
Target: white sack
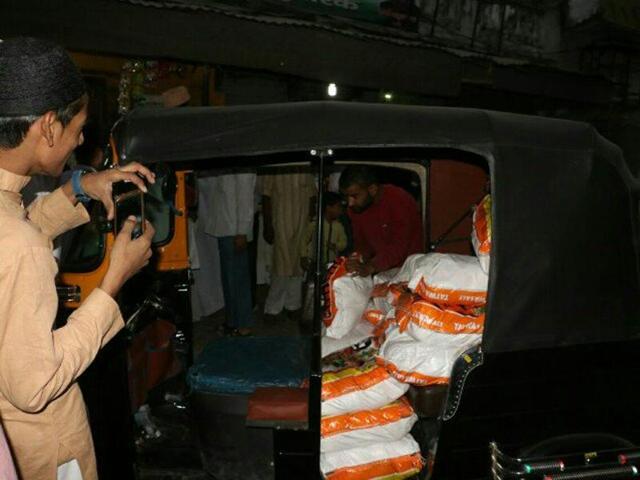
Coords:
pixel 371 454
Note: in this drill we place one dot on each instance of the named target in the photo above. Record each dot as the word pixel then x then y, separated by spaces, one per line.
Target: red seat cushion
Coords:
pixel 279 404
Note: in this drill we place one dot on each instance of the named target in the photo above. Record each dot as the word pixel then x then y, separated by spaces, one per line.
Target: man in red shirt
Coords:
pixel 386 222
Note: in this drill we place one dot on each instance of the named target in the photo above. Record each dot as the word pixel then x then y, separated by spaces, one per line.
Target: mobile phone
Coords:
pixel 129 203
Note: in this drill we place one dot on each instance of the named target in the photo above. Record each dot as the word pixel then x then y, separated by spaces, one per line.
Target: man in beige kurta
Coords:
pixel 289 195
pixel 39 400
pixel 43 108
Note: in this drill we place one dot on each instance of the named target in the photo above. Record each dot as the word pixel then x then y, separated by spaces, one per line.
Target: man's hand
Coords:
pixel 356 266
pixel 240 243
pixel 128 256
pixel 99 185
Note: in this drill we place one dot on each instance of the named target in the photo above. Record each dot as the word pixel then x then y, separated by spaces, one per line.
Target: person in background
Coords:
pixel 334 238
pixel 332 184
pixel 286 207
pixel 385 219
pixel 229 207
pixel 43 107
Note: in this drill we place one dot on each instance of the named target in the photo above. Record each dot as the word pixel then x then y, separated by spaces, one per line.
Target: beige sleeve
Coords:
pixel 38 364
pixel 55 214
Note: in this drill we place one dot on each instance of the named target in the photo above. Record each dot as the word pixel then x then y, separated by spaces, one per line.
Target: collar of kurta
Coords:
pixel 10 182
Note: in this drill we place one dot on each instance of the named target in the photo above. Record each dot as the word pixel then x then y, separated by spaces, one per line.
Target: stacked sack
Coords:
pixel 439 305
pixel 366 418
pixel 370 444
pixel 438 317
pixel 345 299
pixel 406 326
pixel 365 425
pixel 481 234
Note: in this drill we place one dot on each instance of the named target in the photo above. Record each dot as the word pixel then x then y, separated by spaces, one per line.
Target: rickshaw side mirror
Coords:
pixel 170 184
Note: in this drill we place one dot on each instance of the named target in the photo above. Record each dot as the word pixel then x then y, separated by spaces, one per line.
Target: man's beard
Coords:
pixel 367 204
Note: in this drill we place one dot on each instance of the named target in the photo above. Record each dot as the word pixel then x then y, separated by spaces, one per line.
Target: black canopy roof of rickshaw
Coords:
pixel 564 267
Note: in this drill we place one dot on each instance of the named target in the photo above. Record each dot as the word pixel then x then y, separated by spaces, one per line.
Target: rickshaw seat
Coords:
pixel 239 365
pixel 279 407
pixel 222 380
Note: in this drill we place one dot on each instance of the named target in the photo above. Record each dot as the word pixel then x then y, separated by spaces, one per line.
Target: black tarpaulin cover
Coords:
pixel 564 267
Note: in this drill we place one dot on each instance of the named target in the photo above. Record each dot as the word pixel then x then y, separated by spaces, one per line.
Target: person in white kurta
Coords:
pixel 207 297
pixel 286 208
pixel 226 214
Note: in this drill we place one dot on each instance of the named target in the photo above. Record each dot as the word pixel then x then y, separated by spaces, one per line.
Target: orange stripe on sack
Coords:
pixel 483 225
pixel 414 378
pixel 362 419
pixel 430 317
pixel 403 308
pixel 374 317
pixel 446 296
pixel 380 331
pixel 338 385
pixel 389 468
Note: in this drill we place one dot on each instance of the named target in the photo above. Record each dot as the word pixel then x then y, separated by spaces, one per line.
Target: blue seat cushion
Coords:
pixel 239 365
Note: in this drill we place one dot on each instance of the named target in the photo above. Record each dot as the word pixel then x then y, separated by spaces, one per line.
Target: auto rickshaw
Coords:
pixel 555 373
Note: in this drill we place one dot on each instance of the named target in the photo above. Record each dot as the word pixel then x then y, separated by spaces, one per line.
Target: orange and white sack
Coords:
pixel 381 282
pixel 481 233
pixel 346 298
pixel 449 280
pixel 379 295
pixel 385 277
pixel 363 388
pixel 380 332
pixel 420 363
pixel 366 427
pixel 430 324
pixel 399 294
pixel 378 306
pixel 373 315
pixel 360 332
pixel 408 269
pixel 398 459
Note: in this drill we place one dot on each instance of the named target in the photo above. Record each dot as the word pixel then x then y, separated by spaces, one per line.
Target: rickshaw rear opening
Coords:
pixel 562 314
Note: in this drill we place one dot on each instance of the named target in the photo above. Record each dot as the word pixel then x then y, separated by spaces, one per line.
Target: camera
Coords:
pixel 128 200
